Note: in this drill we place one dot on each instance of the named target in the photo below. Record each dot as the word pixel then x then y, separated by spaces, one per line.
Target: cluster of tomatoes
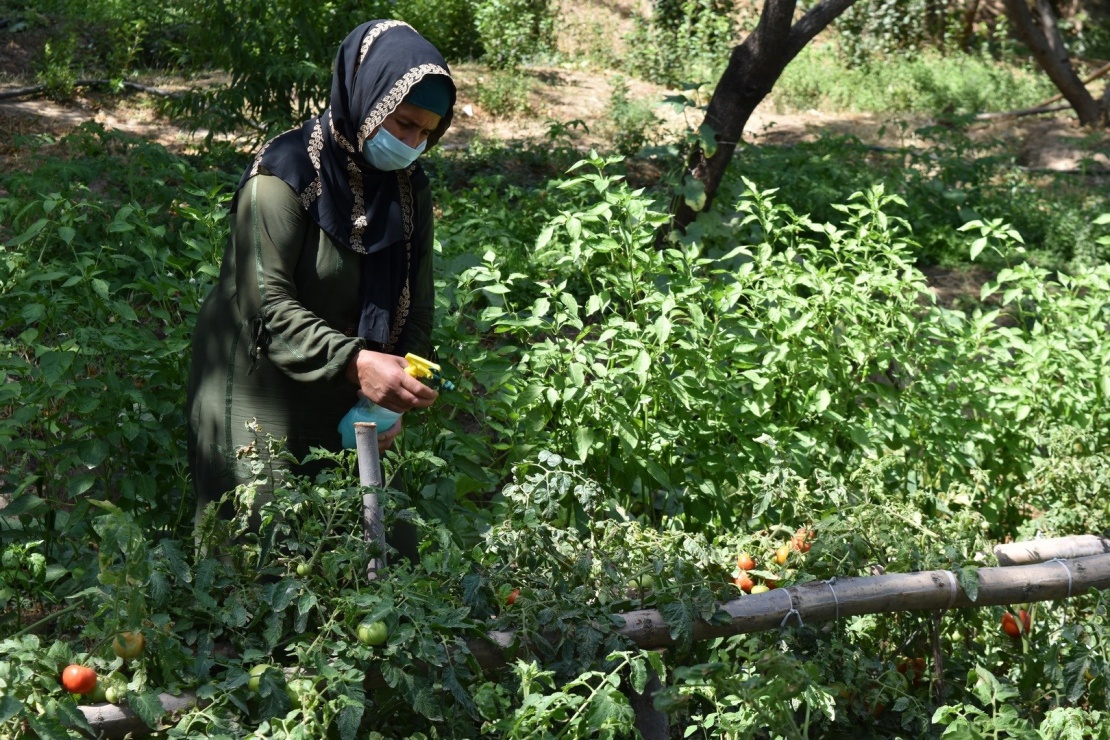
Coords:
pixel 800 542
pixel 83 680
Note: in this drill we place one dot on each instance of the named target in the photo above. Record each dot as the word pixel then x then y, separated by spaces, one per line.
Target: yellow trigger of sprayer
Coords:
pixel 421 368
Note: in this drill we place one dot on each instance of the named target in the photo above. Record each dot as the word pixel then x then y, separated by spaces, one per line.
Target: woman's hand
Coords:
pixel 385 439
pixel 382 379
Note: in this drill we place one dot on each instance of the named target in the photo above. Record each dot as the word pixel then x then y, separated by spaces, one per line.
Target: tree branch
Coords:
pixel 813 23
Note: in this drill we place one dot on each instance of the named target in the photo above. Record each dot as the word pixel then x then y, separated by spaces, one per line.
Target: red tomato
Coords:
pixel 744 582
pixel 511 598
pixel 745 562
pixel 913 669
pixel 1010 625
pixel 1026 621
pixel 79 679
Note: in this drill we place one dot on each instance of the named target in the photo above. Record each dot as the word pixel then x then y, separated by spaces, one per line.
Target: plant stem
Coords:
pixel 48 618
pixel 590 698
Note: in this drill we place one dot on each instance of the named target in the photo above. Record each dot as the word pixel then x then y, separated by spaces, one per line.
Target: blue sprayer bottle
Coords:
pixel 368 411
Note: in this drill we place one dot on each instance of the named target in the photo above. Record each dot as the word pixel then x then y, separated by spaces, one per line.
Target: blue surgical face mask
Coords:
pixel 386 152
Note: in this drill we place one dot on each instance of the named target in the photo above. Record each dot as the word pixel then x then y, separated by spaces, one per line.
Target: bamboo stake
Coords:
pixel 1038 551
pixel 370 475
pixel 815 601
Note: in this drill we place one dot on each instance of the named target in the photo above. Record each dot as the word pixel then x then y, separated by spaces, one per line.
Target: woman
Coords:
pixel 326 280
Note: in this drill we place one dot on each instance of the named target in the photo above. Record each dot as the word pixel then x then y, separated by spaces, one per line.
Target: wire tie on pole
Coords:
pixel 829 582
pixel 953 589
pixel 1064 564
pixel 793 612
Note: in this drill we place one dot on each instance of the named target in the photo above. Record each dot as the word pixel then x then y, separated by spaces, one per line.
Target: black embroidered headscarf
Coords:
pixel 363 208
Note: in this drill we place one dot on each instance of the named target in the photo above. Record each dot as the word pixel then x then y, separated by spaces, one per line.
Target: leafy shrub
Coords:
pixel 99 300
pixel 633 122
pixel 513 31
pixel 950 181
pixel 449 24
pixel 877 29
pixel 503 93
pixel 682 41
pixel 278 54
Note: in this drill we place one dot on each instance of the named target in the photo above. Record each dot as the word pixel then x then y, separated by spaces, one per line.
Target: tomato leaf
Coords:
pixel 147 706
pixel 968 576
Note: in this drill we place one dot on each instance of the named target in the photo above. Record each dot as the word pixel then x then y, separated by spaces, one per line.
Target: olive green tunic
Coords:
pixel 274 337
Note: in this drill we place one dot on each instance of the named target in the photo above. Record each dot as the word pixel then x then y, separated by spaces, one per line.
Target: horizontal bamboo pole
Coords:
pixel 815 601
pixel 821 601
pixel 111 720
pixel 1038 551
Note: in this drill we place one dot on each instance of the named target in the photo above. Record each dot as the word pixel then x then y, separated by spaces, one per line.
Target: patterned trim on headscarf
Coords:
pixel 315 147
pixel 374 33
pixel 358 208
pixel 404 302
pixel 389 103
pixel 258 160
pixel 338 137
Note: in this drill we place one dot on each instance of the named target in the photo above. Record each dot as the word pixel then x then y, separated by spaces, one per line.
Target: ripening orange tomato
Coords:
pixel 782 554
pixel 745 562
pixel 129 645
pixel 744 582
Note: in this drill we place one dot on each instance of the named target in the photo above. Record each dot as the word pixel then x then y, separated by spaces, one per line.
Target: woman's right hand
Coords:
pixel 382 379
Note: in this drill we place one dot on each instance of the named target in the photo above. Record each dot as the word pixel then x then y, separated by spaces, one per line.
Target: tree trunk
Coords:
pixel 969 23
pixel 754 67
pixel 1043 38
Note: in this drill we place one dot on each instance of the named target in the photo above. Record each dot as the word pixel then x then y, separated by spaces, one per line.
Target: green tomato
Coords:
pixel 372 633
pixel 303 570
pixel 256 675
pixel 760 589
pixel 113 695
pixel 300 692
pixel 98 695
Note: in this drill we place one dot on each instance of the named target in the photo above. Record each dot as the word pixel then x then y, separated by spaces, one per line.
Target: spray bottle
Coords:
pixel 368 411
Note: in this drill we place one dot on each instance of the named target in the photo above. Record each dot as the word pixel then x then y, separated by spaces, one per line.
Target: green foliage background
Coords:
pixel 627 420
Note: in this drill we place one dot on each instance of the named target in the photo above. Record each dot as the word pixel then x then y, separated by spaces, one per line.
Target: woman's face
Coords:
pixel 411 124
